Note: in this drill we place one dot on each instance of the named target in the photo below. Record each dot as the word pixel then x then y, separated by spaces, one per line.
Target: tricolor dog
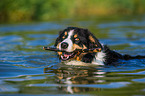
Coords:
pixel 73 38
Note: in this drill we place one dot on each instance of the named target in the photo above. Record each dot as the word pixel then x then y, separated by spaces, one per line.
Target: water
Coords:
pixel 26 69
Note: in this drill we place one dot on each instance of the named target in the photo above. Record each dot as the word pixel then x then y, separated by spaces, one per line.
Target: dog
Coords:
pixel 73 38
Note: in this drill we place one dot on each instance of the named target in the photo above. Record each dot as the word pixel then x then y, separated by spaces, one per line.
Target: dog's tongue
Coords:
pixel 66 55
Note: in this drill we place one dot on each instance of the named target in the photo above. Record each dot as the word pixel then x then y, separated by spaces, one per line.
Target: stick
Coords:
pixel 77 50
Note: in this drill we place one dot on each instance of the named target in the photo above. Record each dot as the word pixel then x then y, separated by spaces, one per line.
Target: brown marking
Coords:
pixel 59 53
pixel 99 49
pixel 65 33
pixel 95 50
pixel 78 53
pixel 92 39
pixel 60 77
pixel 84 47
pixel 58 45
pixel 79 56
pixel 63 37
pixel 75 46
pixel 96 45
pixel 75 35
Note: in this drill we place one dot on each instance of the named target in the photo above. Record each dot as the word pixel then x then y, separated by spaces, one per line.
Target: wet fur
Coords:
pixel 90 41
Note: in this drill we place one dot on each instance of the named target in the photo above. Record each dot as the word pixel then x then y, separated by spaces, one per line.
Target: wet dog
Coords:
pixel 73 38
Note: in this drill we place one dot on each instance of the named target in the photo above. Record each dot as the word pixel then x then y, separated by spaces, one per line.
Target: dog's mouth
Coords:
pixel 67 55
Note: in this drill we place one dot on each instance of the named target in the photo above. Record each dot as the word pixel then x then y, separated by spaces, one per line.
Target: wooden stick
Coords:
pixel 77 50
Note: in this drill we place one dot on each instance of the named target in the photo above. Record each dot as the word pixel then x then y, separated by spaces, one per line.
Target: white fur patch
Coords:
pixel 99 58
pixel 77 63
pixel 69 41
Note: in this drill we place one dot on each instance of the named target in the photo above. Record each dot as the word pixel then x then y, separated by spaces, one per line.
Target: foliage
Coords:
pixel 28 10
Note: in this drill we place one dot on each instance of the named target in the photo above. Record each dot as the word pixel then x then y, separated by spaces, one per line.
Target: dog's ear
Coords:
pixel 60 33
pixel 93 42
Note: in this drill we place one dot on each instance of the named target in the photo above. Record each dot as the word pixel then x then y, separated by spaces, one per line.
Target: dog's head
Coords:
pixel 73 38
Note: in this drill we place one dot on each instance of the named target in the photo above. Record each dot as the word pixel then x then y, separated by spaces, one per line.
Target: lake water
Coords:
pixel 27 70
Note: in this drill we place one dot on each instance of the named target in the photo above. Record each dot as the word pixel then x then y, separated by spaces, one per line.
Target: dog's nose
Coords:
pixel 64 45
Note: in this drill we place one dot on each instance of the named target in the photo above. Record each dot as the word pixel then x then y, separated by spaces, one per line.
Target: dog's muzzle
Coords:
pixel 66 55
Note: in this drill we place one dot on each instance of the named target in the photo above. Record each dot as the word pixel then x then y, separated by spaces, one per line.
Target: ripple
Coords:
pixel 31 27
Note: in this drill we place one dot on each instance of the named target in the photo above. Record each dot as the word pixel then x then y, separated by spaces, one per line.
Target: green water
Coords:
pixel 26 69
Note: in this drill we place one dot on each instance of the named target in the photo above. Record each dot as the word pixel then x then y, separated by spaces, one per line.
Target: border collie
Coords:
pixel 73 38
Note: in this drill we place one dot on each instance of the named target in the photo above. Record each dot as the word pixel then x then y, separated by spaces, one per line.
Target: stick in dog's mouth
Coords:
pixel 67 55
pixel 76 50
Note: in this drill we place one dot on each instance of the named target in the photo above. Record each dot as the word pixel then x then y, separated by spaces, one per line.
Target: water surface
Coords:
pixel 26 69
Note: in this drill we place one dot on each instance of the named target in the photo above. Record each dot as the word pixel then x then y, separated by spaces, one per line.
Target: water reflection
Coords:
pixel 72 79
pixel 75 78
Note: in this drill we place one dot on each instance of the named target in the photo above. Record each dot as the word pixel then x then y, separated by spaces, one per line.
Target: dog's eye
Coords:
pixel 77 39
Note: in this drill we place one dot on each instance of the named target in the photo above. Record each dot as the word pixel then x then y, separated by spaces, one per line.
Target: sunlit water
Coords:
pixel 26 69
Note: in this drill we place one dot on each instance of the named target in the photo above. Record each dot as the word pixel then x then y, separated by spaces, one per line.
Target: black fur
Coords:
pixel 111 56
pixel 88 58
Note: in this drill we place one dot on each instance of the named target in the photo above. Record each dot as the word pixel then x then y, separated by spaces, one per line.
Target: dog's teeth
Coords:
pixel 61 56
pixel 64 57
pixel 67 57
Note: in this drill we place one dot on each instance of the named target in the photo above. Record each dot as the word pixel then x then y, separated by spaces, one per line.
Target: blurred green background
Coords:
pixel 46 10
